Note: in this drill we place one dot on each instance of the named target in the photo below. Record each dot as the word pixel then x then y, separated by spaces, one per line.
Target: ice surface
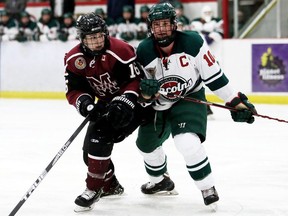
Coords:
pixel 249 162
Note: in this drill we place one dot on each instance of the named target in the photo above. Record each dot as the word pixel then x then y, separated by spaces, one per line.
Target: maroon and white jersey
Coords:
pixel 105 76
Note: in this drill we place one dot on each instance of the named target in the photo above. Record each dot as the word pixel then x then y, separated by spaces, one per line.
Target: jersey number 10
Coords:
pixel 209 58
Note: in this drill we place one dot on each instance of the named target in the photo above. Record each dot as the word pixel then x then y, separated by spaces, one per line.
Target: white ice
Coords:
pixel 249 162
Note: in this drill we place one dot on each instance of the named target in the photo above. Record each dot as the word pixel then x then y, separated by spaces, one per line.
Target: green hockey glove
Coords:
pixel 245 109
pixel 149 87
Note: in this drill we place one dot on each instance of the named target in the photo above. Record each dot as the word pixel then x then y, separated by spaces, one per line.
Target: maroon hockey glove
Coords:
pixel 121 110
pixel 245 109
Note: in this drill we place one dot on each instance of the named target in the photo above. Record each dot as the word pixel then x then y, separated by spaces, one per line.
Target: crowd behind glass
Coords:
pixel 24 27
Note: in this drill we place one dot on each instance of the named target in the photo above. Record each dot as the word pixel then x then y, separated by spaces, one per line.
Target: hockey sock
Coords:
pixel 97 171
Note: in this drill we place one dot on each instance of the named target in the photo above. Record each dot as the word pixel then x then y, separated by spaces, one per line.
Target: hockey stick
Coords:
pixel 222 106
pixel 49 167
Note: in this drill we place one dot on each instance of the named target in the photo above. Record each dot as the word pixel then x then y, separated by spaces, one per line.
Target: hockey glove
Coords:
pixel 245 109
pixel 149 87
pixel 121 110
pixel 85 105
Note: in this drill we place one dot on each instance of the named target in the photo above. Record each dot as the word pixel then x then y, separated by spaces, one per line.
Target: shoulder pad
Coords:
pixel 121 50
pixel 74 59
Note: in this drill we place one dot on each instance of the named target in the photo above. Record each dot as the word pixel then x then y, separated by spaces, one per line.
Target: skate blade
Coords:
pixel 213 207
pixel 79 209
pixel 165 193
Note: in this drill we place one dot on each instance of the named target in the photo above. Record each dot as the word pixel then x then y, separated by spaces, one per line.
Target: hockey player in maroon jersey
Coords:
pixel 102 67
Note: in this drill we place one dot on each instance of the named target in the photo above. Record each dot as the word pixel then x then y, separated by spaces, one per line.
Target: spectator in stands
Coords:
pixel 114 7
pixel 211 29
pixel 15 7
pixel 28 29
pixel 144 11
pixel 112 27
pixel 181 18
pixel 8 27
pixel 48 26
pixel 68 29
pixel 127 24
pixel 209 26
pixel 142 29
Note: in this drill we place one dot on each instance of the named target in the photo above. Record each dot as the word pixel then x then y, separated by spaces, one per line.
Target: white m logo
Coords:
pixel 103 85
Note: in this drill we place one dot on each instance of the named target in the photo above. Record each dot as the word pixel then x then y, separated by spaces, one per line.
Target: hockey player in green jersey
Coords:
pixel 177 65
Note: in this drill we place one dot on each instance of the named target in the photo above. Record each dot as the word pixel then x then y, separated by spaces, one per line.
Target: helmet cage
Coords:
pixel 91 23
pixel 159 12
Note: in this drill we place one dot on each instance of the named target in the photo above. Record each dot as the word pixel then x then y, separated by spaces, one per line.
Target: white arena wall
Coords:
pixel 36 69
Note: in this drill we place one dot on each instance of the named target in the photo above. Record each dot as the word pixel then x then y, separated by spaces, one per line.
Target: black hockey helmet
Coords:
pixel 91 23
pixel 162 11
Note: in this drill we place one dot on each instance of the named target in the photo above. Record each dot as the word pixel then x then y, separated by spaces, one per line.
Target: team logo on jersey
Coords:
pixel 104 84
pixel 80 63
pixel 92 63
pixel 166 62
pixel 174 86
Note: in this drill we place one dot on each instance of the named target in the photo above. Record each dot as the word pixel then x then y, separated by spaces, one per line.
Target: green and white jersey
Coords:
pixel 189 65
pixel 8 30
pixel 48 31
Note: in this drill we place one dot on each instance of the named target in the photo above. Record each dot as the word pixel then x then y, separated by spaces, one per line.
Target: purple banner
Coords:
pixel 269 67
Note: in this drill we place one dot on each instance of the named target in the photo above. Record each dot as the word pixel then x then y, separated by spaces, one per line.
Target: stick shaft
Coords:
pixel 229 108
pixel 49 167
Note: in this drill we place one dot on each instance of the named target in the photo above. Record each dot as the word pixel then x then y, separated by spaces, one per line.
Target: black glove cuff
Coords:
pixel 127 98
